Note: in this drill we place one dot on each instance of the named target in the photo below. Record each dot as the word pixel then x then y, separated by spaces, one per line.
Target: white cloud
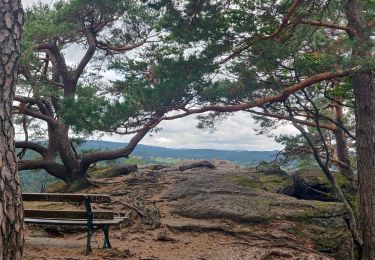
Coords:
pixel 29 3
pixel 236 132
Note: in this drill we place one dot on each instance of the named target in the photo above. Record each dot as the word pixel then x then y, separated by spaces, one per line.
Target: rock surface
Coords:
pixel 313 185
pixel 242 202
pixel 245 197
pixel 254 197
pixel 115 171
pixel 197 164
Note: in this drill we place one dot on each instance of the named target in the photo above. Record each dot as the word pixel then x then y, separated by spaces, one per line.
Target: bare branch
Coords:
pixel 265 100
pixel 325 24
pixel 119 48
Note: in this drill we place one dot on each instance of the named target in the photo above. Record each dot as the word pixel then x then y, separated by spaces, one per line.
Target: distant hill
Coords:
pixel 148 152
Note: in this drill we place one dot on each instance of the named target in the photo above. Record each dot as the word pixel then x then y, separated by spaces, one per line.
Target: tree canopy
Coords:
pixel 307 62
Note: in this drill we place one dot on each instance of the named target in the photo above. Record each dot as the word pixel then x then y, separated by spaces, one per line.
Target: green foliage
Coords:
pixel 89 106
pixel 138 160
pixel 35 181
pixel 166 160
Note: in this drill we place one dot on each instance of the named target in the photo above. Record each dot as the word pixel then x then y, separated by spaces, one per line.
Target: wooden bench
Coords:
pixel 94 220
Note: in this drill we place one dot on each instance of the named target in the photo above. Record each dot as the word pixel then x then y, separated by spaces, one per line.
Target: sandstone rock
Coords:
pixel 155 167
pixel 199 164
pixel 115 171
pixel 252 198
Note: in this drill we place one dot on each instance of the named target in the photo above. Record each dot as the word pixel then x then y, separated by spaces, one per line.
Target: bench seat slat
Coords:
pixel 67 214
pixel 114 221
pixel 64 197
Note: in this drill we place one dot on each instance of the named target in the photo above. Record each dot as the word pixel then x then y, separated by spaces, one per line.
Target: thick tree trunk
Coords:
pixel 77 181
pixel 365 119
pixel 11 212
pixel 67 155
pixel 364 92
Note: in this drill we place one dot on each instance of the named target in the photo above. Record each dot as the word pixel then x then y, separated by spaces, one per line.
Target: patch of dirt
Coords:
pixel 203 213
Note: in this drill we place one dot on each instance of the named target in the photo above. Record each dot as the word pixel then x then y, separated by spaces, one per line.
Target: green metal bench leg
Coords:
pixel 106 244
pixel 90 227
pixel 88 245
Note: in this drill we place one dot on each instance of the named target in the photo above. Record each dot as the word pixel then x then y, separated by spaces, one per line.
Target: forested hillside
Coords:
pixel 148 152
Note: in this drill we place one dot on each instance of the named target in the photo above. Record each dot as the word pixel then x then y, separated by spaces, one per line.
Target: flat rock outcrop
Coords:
pixel 254 197
pixel 245 197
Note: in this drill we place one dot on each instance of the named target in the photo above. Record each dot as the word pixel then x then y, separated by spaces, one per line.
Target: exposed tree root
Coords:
pixel 277 254
pixel 272 241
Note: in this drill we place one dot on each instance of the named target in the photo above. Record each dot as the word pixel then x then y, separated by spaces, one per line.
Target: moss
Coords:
pixel 98 173
pixel 270 183
pixel 320 209
pixel 326 238
pixel 60 186
pixel 319 177
pixel 56 186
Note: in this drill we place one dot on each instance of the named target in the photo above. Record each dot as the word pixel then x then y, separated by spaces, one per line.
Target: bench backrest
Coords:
pixel 86 199
pixel 66 197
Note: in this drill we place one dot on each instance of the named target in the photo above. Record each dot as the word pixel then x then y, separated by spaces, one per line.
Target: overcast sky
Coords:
pixel 236 132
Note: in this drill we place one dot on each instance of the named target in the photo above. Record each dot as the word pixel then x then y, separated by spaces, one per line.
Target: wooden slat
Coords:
pixel 66 214
pixel 73 222
pixel 65 197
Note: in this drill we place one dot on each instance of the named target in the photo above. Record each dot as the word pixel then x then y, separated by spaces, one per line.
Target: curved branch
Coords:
pixel 265 100
pixel 94 157
pixel 52 168
pixel 86 58
pixel 37 115
pixel 119 48
pixel 59 64
pixel 32 146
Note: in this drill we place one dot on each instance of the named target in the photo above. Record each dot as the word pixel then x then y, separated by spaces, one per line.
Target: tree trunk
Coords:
pixel 342 148
pixel 11 212
pixel 77 180
pixel 365 123
pixel 364 92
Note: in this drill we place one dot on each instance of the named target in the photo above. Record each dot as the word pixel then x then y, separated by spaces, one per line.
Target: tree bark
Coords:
pixel 342 147
pixel 11 211
pixel 365 123
pixel 364 92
